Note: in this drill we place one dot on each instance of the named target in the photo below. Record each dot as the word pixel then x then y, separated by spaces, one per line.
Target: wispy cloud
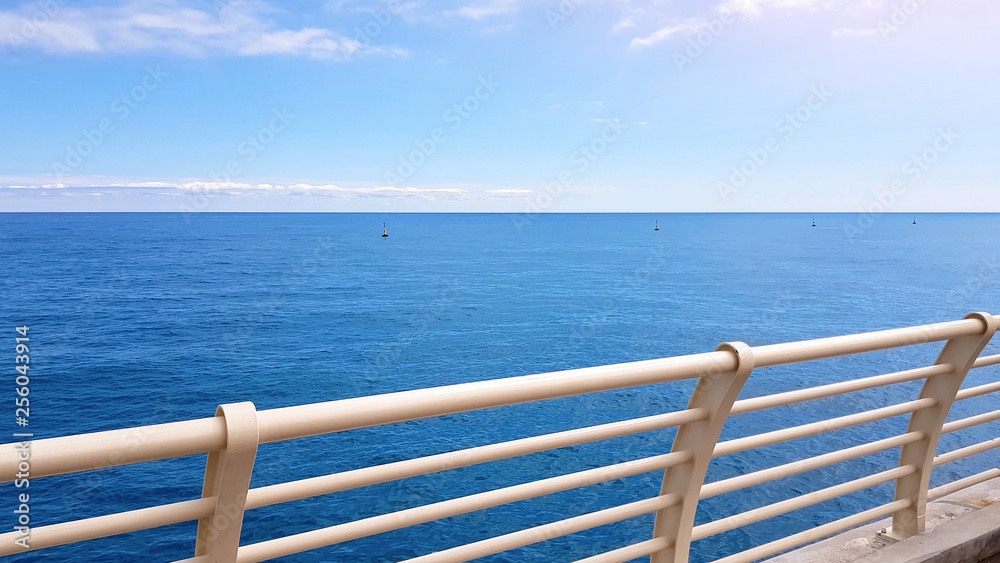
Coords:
pixel 141 26
pixel 759 7
pixel 671 26
pixel 756 7
pixel 624 24
pixel 55 186
pixel 481 11
pixel 408 11
pixel 300 187
pixel 508 193
pixel 686 27
pixel 83 185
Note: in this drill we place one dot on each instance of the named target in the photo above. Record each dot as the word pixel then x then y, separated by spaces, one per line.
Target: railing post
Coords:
pixel 960 353
pixel 716 392
pixel 227 477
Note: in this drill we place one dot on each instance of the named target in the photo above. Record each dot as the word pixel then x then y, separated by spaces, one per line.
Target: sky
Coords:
pixel 517 106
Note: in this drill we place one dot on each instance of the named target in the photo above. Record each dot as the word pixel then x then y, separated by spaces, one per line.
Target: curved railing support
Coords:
pixel 961 354
pixel 227 477
pixel 715 393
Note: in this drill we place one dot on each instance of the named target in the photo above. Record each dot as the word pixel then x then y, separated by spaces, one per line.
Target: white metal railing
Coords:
pixel 232 437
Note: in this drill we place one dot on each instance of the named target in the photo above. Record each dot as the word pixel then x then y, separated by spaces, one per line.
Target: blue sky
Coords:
pixel 500 105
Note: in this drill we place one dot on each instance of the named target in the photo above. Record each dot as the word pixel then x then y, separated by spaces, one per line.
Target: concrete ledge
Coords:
pixel 967 539
pixel 961 528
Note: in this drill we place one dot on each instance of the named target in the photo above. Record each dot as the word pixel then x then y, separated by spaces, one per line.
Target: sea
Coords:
pixel 138 319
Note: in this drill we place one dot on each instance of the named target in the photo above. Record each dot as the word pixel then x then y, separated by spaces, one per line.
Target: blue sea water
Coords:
pixel 146 318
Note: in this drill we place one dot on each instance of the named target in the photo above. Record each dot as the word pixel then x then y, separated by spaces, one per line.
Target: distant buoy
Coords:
pixel 814 221
pixel 385 232
pixel 914 220
pixel 657 226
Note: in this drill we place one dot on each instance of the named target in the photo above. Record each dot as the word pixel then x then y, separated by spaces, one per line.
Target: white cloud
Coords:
pixel 626 23
pixel 756 7
pixel 508 193
pixel 245 188
pixel 147 185
pixel 494 8
pixel 56 186
pixel 670 27
pixel 328 189
pixel 137 26
pixel 85 186
pixel 686 27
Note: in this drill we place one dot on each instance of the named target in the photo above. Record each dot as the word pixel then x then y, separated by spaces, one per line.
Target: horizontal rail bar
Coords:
pixel 963 423
pixel 366 476
pixel 961 484
pixel 630 552
pixel 796 467
pixel 545 532
pixel 109 525
pixel 410 517
pixel 787 434
pixel 978 391
pixel 823 391
pixel 809 350
pixel 809 499
pixel 816 533
pixel 985 361
pixel 349 414
pixel 967 451
pixel 85 452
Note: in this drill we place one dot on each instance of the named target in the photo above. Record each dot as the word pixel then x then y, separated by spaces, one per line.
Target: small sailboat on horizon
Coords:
pixel 814 221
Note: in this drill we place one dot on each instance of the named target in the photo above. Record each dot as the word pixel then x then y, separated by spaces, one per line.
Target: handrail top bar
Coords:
pixel 82 452
pixel 314 419
pixel 112 448
pixel 99 450
pixel 320 418
pixel 809 350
